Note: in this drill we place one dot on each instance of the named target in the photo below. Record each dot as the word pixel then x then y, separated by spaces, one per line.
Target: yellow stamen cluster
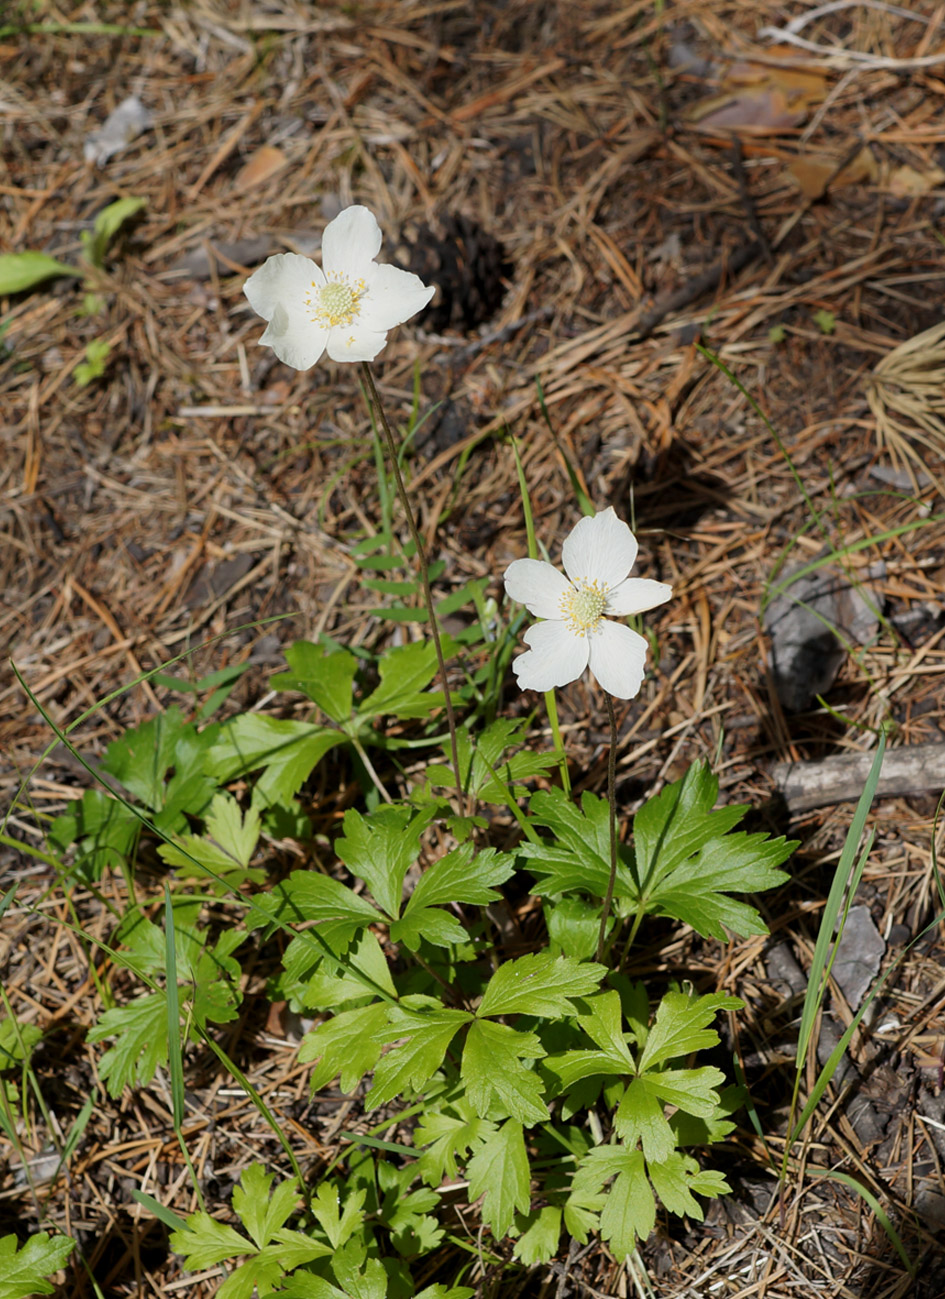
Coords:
pixel 335 303
pixel 582 607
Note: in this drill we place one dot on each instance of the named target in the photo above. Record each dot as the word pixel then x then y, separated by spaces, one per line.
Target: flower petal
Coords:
pixel 635 595
pixel 393 296
pixel 556 658
pixel 355 343
pixel 599 549
pixel 618 659
pixel 537 585
pixel 299 345
pixel 351 242
pixel 283 280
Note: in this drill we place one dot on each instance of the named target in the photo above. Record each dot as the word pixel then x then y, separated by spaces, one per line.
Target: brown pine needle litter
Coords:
pixel 906 393
pixel 198 488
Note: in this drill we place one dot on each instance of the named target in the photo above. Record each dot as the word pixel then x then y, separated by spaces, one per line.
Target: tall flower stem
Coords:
pixel 612 801
pixel 424 574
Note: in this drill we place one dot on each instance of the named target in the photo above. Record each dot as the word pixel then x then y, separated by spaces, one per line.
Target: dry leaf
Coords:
pixel 906 182
pixel 265 162
pixel 758 99
pixel 813 172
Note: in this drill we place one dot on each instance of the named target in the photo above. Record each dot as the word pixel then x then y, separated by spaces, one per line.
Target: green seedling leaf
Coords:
pixel 97 353
pixel 161 764
pixel 825 320
pixel 24 1271
pixel 283 750
pixel 141 1030
pixel 104 831
pixel 107 225
pixel 326 676
pixel 675 1179
pixel 539 984
pixel 20 271
pixel 306 895
pixel 493 1072
pixel 422 1030
pixel 499 1172
pixel 407 1214
pixel 573 927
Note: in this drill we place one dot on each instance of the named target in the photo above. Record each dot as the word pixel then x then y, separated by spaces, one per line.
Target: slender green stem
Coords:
pixel 612 801
pixel 424 575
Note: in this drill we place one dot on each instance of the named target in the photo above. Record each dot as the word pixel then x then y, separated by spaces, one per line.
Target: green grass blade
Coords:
pixel 175 1052
pixel 878 1211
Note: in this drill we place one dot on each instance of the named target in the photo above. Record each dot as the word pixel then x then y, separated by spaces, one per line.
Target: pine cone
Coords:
pixel 468 266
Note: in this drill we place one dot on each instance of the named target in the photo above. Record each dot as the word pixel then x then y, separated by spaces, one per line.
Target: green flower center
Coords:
pixel 335 303
pixel 582 608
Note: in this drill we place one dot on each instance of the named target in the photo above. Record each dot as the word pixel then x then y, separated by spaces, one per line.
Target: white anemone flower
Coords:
pixel 345 306
pixel 577 631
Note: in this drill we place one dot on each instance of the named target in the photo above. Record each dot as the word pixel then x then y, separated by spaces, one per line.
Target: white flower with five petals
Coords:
pixel 577 631
pixel 345 306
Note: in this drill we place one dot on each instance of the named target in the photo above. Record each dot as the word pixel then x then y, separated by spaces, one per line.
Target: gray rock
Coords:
pixel 810 625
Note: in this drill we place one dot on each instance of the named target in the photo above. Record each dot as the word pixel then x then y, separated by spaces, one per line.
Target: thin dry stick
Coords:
pixel 612 800
pixel 424 577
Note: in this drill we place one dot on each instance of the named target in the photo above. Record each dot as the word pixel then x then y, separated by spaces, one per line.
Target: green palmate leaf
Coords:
pixel 680 1026
pixel 499 1172
pixel 463 875
pixel 692 1090
pixel 225 850
pixel 629 1211
pixel 381 848
pixel 675 1178
pixel 326 676
pixel 24 1271
pixel 273 1248
pixel 284 751
pixel 573 927
pixel 17 1040
pixel 104 830
pixel 141 1030
pixel 423 1030
pixel 405 674
pixel 493 1072
pixel 350 1044
pixel 338 1226
pixel 540 1233
pixel 407 1214
pixel 19 271
pixel 306 895
pixel 486 771
pixel 687 861
pixel 640 1118
pixel 446 1138
pixel 578 859
pixel 312 980
pixel 539 984
pixel 261 1215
